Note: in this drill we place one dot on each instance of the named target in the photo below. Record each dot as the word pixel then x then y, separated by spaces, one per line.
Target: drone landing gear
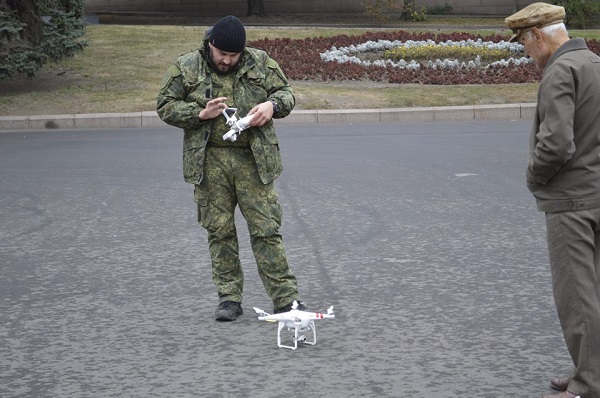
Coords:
pixel 302 338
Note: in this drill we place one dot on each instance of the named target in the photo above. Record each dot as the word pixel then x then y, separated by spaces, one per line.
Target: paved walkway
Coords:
pixel 422 236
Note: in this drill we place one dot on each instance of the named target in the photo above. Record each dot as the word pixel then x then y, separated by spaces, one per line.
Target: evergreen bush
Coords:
pixel 35 32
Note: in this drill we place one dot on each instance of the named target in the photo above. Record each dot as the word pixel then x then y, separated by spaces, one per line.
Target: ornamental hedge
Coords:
pixel 301 60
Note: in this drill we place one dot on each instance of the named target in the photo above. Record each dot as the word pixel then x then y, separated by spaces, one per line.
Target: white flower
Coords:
pixel 346 54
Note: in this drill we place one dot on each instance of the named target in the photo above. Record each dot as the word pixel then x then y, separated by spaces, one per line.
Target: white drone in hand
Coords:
pixel 237 125
pixel 299 321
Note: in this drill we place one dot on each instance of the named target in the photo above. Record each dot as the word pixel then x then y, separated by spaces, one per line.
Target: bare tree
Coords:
pixel 256 7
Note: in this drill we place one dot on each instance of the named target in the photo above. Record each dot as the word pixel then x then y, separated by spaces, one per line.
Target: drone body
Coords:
pixel 299 321
pixel 237 125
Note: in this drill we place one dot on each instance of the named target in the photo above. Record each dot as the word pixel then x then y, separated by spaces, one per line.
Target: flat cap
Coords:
pixel 536 15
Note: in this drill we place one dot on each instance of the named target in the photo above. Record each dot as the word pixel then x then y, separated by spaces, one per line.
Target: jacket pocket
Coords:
pixel 202 201
pixel 193 160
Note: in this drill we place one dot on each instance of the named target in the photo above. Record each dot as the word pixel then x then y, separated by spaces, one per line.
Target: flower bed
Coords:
pixel 334 59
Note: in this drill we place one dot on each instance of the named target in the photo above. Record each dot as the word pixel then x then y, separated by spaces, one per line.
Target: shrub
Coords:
pixel 382 9
pixel 33 33
pixel 439 9
pixel 580 13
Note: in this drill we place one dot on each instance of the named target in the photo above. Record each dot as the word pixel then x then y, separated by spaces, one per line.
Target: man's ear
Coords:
pixel 536 34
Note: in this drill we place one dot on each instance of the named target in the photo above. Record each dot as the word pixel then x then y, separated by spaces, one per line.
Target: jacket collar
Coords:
pixel 570 45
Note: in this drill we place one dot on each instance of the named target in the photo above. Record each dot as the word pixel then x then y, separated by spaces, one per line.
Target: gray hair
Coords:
pixel 549 30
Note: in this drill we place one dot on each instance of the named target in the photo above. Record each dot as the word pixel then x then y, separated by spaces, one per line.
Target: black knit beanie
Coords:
pixel 228 35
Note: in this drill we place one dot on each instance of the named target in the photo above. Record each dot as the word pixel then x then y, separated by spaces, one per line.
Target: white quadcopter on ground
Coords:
pixel 237 125
pixel 299 321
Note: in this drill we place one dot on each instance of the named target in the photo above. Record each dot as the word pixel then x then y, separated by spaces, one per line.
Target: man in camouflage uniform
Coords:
pixel 224 73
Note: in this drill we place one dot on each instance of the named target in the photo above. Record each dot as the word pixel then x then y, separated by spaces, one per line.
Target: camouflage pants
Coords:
pixel 231 179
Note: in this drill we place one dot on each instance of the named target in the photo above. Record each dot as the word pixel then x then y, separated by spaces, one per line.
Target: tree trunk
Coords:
pixel 29 14
pixel 256 7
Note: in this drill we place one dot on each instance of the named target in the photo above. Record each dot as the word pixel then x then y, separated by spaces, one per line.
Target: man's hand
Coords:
pixel 213 108
pixel 262 113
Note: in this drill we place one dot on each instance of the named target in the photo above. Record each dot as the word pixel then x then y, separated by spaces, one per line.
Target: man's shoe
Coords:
pixel 564 394
pixel 228 311
pixel 301 307
pixel 560 383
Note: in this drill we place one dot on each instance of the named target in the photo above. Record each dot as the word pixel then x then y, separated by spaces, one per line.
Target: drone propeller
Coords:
pixel 260 312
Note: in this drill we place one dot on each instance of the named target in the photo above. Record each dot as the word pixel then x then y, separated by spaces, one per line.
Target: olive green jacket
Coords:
pixel 188 86
pixel 563 171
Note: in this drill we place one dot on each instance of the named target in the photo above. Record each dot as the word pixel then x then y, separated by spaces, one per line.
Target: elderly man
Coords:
pixel 563 174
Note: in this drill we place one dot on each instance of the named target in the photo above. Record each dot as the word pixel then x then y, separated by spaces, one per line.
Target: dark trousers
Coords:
pixel 574 248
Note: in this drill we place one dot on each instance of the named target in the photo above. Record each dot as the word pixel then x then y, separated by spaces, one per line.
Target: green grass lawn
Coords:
pixel 123 65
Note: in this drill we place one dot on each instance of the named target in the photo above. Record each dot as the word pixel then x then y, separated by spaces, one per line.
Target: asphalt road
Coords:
pixel 423 236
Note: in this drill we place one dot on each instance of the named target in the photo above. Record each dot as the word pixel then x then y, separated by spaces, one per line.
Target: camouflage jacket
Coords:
pixel 187 87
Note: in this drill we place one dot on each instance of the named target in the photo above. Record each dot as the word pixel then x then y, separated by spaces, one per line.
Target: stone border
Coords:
pixel 345 116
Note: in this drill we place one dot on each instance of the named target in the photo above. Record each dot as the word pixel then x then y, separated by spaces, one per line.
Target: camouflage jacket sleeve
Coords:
pixel 173 103
pixel 279 89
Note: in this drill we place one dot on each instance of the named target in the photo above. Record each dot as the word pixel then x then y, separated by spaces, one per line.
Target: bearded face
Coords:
pixel 223 61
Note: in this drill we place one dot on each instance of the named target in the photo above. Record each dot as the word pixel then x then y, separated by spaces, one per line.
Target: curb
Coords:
pixel 344 116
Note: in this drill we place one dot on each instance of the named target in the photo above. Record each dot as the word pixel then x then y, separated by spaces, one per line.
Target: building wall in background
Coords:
pixel 239 7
